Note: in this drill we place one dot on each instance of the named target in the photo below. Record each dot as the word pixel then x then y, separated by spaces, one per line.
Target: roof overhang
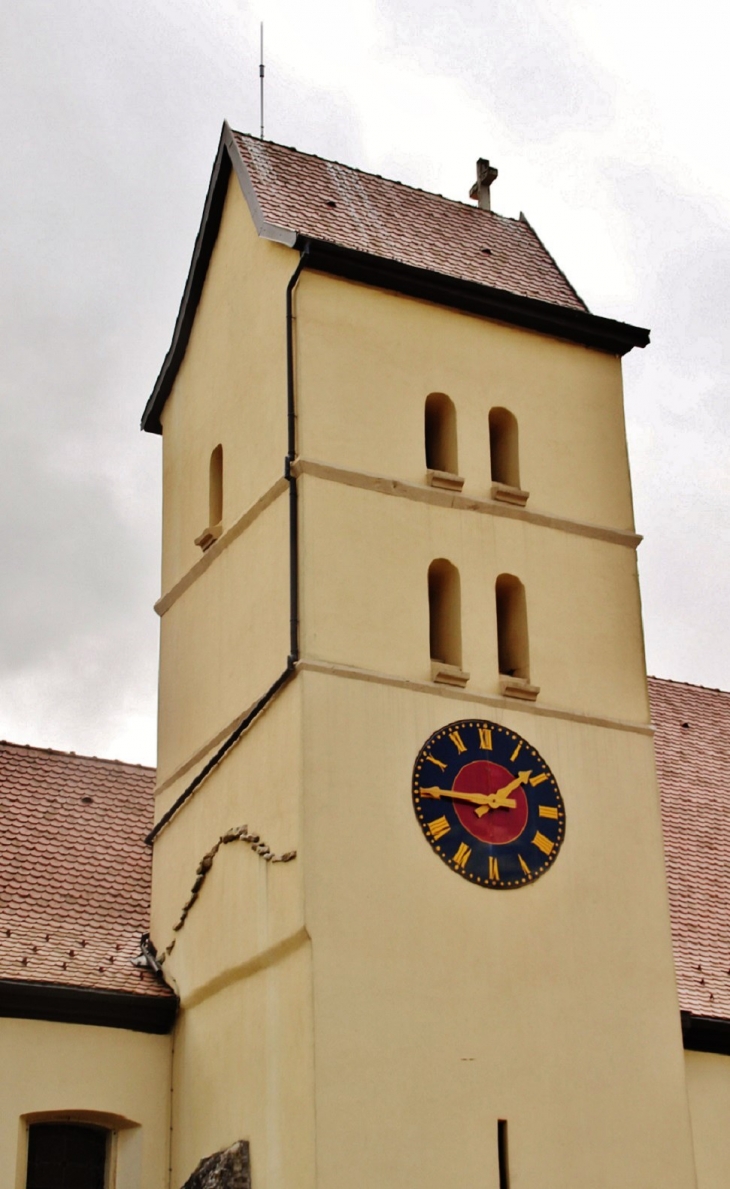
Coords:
pixel 81 1005
pixel 705 1034
pixel 564 322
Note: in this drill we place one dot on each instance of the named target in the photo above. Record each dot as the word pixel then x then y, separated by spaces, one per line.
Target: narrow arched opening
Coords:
pixel 440 427
pixel 444 607
pixel 504 447
pixel 215 488
pixel 512 639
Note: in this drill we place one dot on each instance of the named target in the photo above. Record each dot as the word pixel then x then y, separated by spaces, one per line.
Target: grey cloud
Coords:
pixel 108 136
pixel 519 61
pixel 678 401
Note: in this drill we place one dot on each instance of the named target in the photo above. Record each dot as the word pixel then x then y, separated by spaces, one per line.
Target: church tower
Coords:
pixel 408 869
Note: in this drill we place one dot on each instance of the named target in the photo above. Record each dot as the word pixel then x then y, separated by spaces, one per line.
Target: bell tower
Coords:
pixel 398 539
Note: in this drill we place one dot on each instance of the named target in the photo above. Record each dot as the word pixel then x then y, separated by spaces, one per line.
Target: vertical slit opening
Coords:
pixel 512 639
pixel 440 425
pixel 444 606
pixel 503 1154
pixel 504 447
pixel 215 488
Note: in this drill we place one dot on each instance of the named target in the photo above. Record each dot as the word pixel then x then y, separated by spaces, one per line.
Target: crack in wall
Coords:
pixel 237 834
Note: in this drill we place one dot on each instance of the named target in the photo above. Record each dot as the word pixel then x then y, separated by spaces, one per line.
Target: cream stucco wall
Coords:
pixel 708 1086
pixel 230 389
pixel 225 640
pixel 242 963
pixel 441 1007
pixel 362 1014
pixel 112 1076
pixel 365 596
pixel 367 360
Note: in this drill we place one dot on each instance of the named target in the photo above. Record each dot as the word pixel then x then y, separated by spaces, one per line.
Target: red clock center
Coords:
pixel 497 826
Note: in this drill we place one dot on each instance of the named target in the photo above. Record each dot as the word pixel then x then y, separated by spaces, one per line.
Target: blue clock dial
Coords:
pixel 488 804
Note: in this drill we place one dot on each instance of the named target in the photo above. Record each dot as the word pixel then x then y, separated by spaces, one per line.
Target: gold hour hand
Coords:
pixel 501 799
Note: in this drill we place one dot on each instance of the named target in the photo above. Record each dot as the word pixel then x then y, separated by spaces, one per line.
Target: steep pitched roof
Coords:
pixel 693 763
pixel 75 874
pixel 379 232
pixel 323 200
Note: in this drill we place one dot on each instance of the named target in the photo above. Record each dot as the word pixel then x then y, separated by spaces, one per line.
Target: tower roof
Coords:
pixel 379 232
pixel 315 199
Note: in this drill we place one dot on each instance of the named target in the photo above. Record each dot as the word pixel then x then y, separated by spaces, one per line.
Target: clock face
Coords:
pixel 488 804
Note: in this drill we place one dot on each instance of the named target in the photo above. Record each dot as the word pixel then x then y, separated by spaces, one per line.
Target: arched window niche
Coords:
pixel 214 527
pixel 444 614
pixel 441 444
pixel 215 487
pixel 504 458
pixel 513 644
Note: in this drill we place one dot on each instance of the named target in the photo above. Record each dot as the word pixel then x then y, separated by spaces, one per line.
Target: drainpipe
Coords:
pixel 288 463
pixel 293 657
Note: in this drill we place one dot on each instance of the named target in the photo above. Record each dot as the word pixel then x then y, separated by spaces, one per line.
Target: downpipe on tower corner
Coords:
pixel 293 657
pixel 289 462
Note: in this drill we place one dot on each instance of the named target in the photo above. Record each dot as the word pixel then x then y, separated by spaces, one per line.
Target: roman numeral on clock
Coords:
pixel 438 828
pixel 457 741
pixel 547 811
pixel 438 763
pixel 461 858
pixel 542 843
pixel 485 738
pixel 493 868
pixel 524 866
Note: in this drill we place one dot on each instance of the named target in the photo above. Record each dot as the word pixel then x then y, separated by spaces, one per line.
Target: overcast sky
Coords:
pixel 608 125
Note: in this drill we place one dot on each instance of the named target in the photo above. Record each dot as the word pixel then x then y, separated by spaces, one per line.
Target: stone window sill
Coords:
pixel 518 687
pixel 209 536
pixel 509 495
pixel 444 674
pixel 444 479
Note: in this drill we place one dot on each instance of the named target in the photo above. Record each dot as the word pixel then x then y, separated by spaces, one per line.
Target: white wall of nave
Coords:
pixel 113 1076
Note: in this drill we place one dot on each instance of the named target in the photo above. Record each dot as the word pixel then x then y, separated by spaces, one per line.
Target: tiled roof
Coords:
pixel 693 760
pixel 74 873
pixel 335 203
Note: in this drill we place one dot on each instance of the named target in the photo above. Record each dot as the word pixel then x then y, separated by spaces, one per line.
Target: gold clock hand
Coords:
pixel 475 798
pixel 487 801
pixel 499 800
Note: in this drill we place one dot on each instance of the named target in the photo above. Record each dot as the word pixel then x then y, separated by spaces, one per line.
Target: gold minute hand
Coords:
pixel 499 800
pixel 486 801
pixel 475 798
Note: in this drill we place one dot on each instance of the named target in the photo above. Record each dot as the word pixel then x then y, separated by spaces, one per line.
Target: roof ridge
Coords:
pixel 470 206
pixel 54 751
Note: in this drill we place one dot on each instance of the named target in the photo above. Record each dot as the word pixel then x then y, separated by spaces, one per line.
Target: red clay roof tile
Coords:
pixel 75 875
pixel 693 763
pixel 75 878
pixel 327 201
